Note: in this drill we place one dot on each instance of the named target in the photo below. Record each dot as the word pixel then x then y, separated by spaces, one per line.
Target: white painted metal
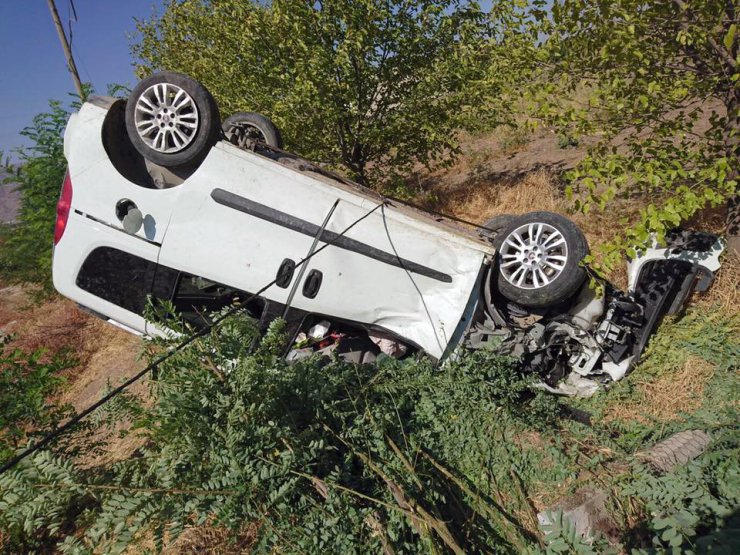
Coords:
pixel 98 186
pixel 202 237
pixel 588 308
pixel 81 236
pixel 708 260
pixel 231 247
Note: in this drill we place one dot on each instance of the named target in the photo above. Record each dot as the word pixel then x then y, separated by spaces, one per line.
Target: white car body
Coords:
pixel 421 299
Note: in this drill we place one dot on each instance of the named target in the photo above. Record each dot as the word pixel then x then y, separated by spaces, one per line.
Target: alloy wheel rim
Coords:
pixel 533 255
pixel 166 118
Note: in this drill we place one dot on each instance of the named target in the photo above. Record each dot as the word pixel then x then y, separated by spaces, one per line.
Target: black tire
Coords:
pixel 678 449
pixel 493 226
pixel 261 127
pixel 197 120
pixel 553 285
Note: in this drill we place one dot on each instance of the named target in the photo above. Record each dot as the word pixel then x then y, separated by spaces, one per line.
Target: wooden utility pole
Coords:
pixel 65 46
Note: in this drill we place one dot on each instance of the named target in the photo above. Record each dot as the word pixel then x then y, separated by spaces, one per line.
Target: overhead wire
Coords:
pixel 413 282
pixel 54 434
pixel 73 18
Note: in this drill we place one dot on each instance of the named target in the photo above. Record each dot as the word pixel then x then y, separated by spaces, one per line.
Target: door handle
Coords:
pixel 285 273
pixel 312 284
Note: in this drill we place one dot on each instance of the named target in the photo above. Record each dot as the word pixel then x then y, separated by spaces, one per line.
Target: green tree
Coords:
pixel 26 251
pixel 375 86
pixel 656 84
pixel 319 456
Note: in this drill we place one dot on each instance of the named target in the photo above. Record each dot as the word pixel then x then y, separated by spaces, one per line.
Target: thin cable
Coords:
pixel 71 13
pixel 418 290
pixel 72 17
pixel 436 213
pixel 310 253
pixel 180 346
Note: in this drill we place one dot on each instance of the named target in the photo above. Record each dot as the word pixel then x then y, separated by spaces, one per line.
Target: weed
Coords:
pixel 323 456
pixel 27 380
pixel 514 138
pixel 567 141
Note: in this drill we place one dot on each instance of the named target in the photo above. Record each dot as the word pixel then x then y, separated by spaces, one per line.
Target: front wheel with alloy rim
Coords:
pixel 539 259
pixel 171 119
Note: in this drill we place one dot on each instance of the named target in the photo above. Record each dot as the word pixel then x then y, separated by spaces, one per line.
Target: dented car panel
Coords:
pixel 239 215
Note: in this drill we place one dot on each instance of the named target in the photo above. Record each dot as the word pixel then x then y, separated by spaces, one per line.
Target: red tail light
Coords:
pixel 63 207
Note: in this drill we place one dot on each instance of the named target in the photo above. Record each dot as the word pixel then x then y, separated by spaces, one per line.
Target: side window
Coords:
pixel 117 277
pixel 196 297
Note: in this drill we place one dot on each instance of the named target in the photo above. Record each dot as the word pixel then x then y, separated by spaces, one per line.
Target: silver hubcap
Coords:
pixel 533 255
pixel 166 118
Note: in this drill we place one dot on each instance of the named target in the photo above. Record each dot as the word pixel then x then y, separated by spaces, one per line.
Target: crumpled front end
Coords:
pixel 591 341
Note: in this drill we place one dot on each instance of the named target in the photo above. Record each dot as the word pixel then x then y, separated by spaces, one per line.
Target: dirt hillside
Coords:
pixel 105 354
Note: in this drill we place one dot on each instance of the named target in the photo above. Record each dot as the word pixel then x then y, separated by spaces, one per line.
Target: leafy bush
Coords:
pixel 563 537
pixel 26 249
pixel 690 508
pixel 656 85
pixel 322 456
pixel 514 138
pixel 26 383
pixel 707 334
pixel 566 140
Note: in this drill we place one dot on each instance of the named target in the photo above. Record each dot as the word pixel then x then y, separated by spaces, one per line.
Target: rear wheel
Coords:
pixel 171 119
pixel 539 256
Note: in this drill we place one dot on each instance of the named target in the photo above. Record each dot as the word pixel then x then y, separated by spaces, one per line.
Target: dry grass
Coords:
pixel 724 294
pixel 665 397
pixel 540 190
pixel 725 291
pixel 52 326
pixel 103 353
pixel 535 191
pixel 486 199
pixel 212 540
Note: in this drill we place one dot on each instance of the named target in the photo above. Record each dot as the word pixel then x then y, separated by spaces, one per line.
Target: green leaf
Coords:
pixel 730 37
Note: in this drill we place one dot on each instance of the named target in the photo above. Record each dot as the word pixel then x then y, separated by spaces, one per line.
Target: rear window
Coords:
pixel 126 280
pixel 117 277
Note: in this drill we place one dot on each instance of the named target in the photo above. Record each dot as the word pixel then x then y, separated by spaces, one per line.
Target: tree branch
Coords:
pixel 718 49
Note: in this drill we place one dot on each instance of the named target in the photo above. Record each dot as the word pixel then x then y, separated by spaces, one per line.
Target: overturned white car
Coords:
pixel 161 200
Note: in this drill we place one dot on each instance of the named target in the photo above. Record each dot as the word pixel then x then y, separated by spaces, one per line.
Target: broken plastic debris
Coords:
pixel 617 370
pixel 319 330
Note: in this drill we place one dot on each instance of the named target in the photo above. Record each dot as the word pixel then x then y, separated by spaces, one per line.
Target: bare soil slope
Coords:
pixel 105 353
